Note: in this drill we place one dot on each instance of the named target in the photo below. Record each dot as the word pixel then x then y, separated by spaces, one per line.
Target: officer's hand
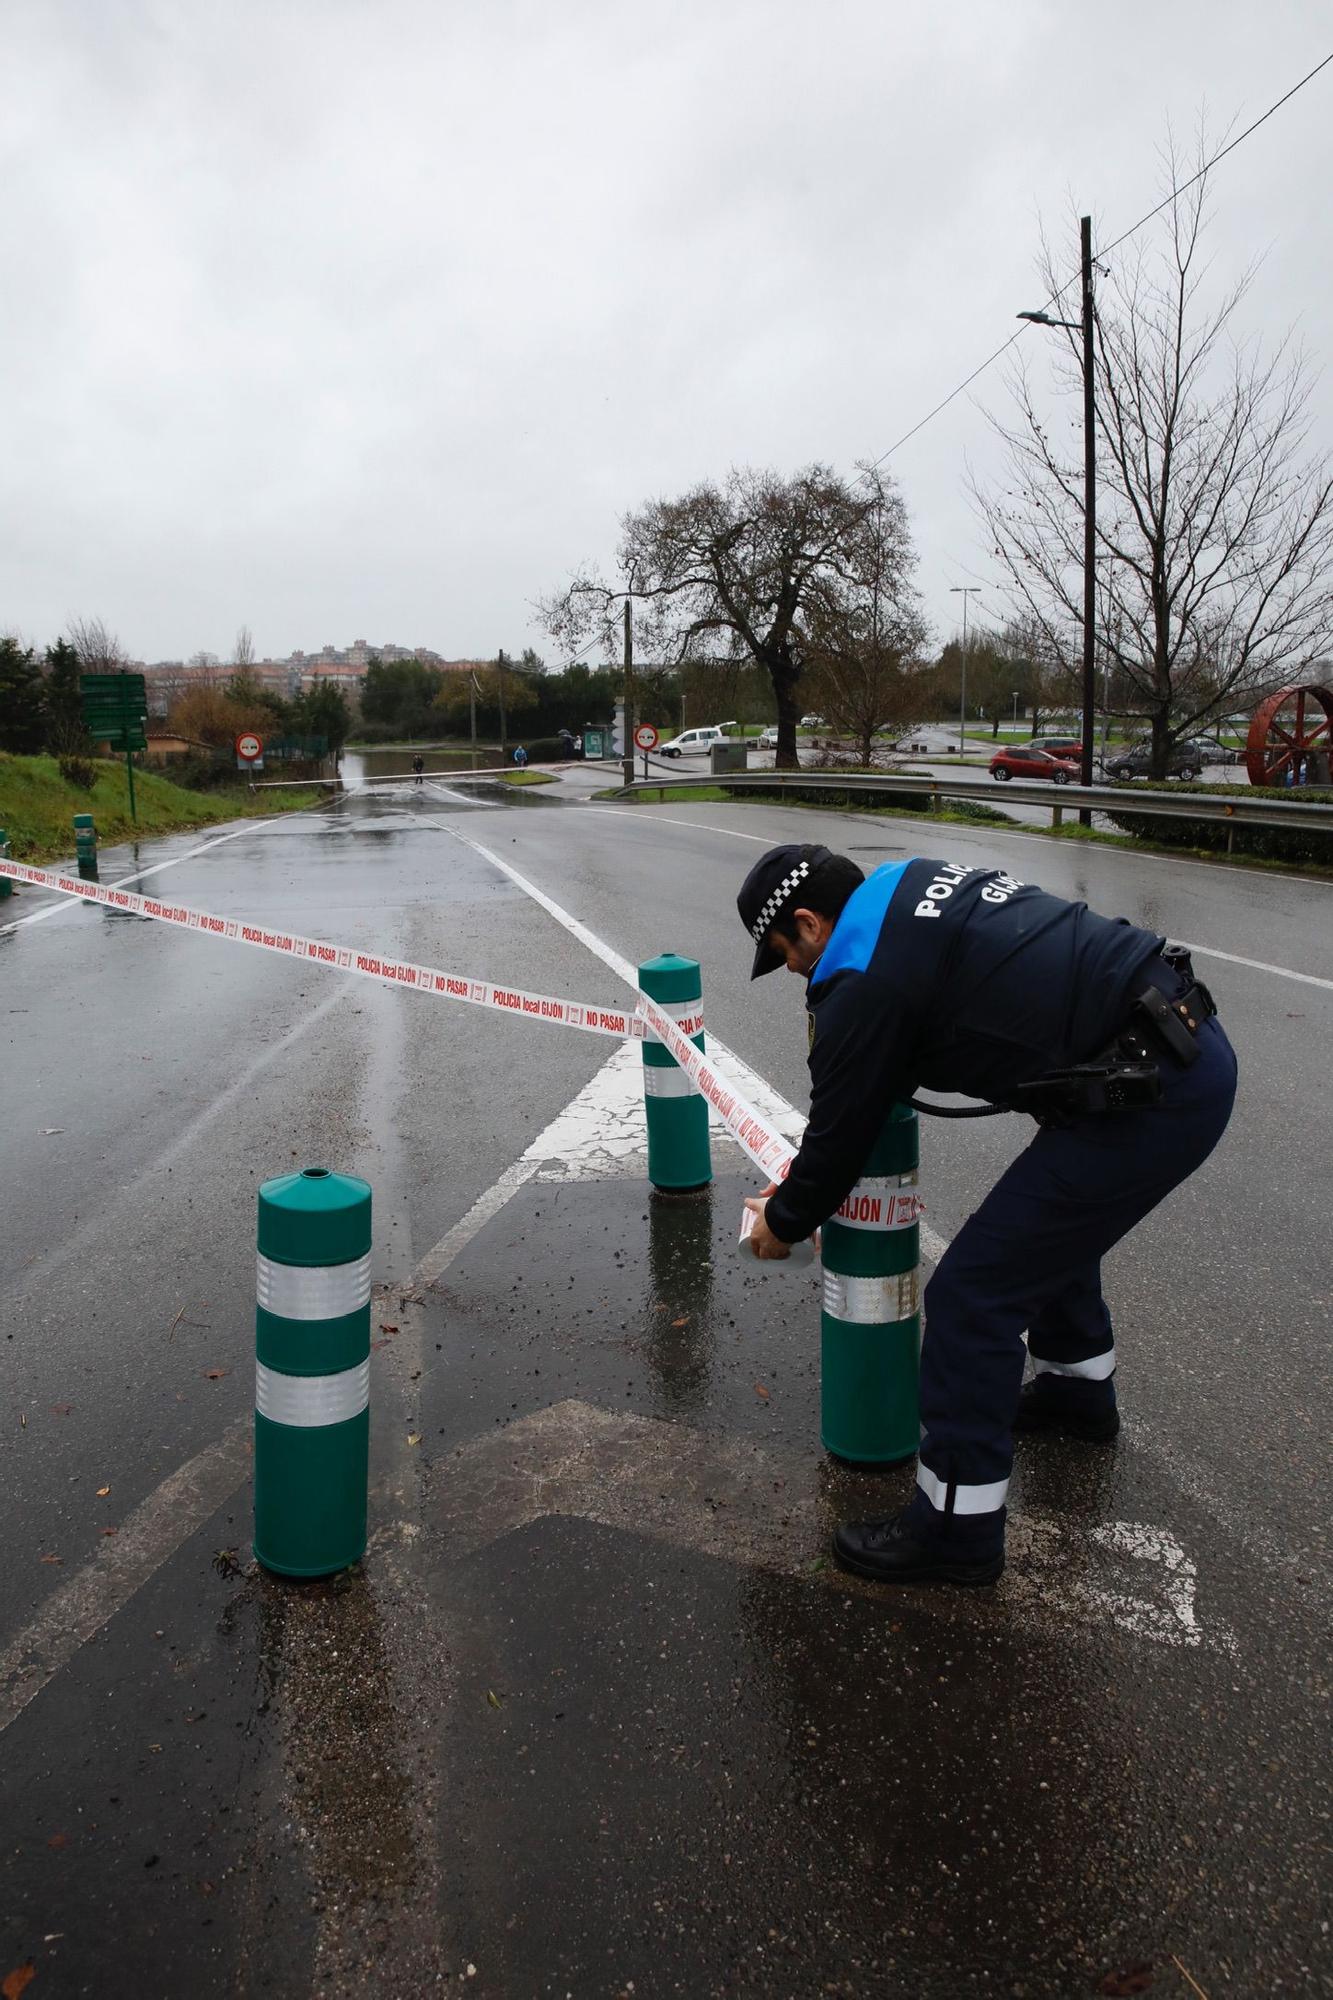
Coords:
pixel 761 1239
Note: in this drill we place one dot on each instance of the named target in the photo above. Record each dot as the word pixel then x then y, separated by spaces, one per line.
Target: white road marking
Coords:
pixel 1258 965
pixel 82 1605
pixel 714 1496
pixel 121 881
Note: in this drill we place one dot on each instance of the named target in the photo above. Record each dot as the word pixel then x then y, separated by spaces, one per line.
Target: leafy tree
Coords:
pixel 324 711
pixel 22 707
pixel 1214 526
pixel 65 733
pixel 400 693
pixel 730 571
pixel 864 630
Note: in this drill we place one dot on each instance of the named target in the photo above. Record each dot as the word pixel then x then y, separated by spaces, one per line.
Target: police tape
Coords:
pixel 771 1153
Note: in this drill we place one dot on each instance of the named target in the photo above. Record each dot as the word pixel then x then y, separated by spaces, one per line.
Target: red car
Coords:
pixel 1024 760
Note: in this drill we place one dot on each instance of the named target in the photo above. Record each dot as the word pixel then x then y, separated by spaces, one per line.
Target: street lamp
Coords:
pixel 963 590
pixel 1083 326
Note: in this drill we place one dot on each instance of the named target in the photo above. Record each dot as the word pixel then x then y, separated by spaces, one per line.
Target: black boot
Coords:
pixel 891 1552
pixel 1042 1407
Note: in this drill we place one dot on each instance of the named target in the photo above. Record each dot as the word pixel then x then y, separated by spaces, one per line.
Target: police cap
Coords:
pixel 780 880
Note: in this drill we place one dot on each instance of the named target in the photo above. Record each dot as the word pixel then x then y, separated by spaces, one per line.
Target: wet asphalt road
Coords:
pixel 595 1716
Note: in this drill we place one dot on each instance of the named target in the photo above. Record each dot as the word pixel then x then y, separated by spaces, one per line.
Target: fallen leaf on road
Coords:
pixel 61 1409
pixel 384 1328
pixel 108 1531
pixel 50 1131
pixel 102 1492
pixel 492 1697
pixel 414 1437
pixel 58 1840
pixel 23 1421
pixel 14 1982
pixel 684 1321
pixel 53 1559
pixel 215 1374
pixel 760 1390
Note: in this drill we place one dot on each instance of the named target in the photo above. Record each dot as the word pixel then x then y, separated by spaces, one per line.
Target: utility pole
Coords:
pixel 500 675
pixel 1084 325
pixel 1089 514
pixel 472 704
pixel 628 765
pixel 964 590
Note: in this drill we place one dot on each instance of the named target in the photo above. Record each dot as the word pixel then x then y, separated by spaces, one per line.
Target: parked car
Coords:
pixel 769 739
pixel 1136 762
pixel 813 722
pixel 693 741
pixel 1212 750
pixel 1058 746
pixel 1021 760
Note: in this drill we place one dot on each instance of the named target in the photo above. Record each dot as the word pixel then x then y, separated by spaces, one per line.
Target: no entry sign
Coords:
pixel 645 736
pixel 250 751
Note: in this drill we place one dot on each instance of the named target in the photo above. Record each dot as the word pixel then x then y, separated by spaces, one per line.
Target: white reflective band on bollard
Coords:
pixel 870 1301
pixel 307 1402
pixel 1095 1369
pixel 667 1083
pixel 313 1291
pixel 966 1499
pixel 882 1202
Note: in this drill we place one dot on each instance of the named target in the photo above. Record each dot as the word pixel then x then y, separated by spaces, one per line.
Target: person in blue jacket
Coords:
pixel 935 975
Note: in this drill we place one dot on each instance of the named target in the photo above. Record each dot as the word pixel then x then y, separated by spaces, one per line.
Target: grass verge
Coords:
pixel 37 805
pixel 528 778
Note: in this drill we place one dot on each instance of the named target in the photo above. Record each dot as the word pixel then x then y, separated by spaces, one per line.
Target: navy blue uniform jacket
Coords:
pixel 951 979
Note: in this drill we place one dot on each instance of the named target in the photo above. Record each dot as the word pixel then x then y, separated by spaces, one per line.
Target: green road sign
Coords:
pixel 115 711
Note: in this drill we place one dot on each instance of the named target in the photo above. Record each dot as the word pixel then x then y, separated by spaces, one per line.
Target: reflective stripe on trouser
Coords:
pixel 1097 1367
pixel 1029 1258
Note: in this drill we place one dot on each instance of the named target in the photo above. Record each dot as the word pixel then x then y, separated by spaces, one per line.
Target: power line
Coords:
pixel 1055 297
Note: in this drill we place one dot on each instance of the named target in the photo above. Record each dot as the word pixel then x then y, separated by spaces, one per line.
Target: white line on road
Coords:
pixel 81 1606
pixel 72 902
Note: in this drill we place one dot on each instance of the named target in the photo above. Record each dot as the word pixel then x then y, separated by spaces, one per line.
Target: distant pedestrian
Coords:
pixel 418 766
pixel 520 757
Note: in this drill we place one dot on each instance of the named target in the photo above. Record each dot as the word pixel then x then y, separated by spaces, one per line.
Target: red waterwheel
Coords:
pixel 1288 733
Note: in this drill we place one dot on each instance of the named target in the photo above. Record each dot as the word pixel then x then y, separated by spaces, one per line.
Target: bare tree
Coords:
pixel 243 653
pixel 98 648
pixel 865 631
pixel 1214 527
pixel 727 572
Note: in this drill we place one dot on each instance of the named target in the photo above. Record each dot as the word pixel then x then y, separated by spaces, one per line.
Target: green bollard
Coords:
pixel 6 881
pixel 85 846
pixel 312 1373
pixel 871 1322
pixel 679 1158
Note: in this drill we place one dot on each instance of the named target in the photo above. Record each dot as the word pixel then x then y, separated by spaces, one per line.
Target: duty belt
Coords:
pixel 1126 1074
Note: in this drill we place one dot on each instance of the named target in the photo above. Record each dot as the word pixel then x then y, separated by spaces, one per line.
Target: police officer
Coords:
pixel 934 975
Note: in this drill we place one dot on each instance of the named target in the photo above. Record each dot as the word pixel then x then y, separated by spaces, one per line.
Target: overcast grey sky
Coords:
pixel 370 320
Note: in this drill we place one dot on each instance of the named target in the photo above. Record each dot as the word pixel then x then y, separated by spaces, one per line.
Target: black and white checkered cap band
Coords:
pixel 777 899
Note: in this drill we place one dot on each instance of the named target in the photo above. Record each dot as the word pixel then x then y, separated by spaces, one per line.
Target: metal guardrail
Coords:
pixel 1230 811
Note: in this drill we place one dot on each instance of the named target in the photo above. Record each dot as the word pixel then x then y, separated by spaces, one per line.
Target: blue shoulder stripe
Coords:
pixel 857 930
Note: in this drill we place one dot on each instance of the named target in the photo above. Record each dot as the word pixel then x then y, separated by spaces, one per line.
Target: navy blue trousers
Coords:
pixel 1029 1260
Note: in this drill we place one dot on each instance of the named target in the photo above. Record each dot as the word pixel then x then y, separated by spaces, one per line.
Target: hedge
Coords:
pixel 1274 843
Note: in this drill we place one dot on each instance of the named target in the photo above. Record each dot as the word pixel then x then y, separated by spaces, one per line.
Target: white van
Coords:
pixel 694 741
